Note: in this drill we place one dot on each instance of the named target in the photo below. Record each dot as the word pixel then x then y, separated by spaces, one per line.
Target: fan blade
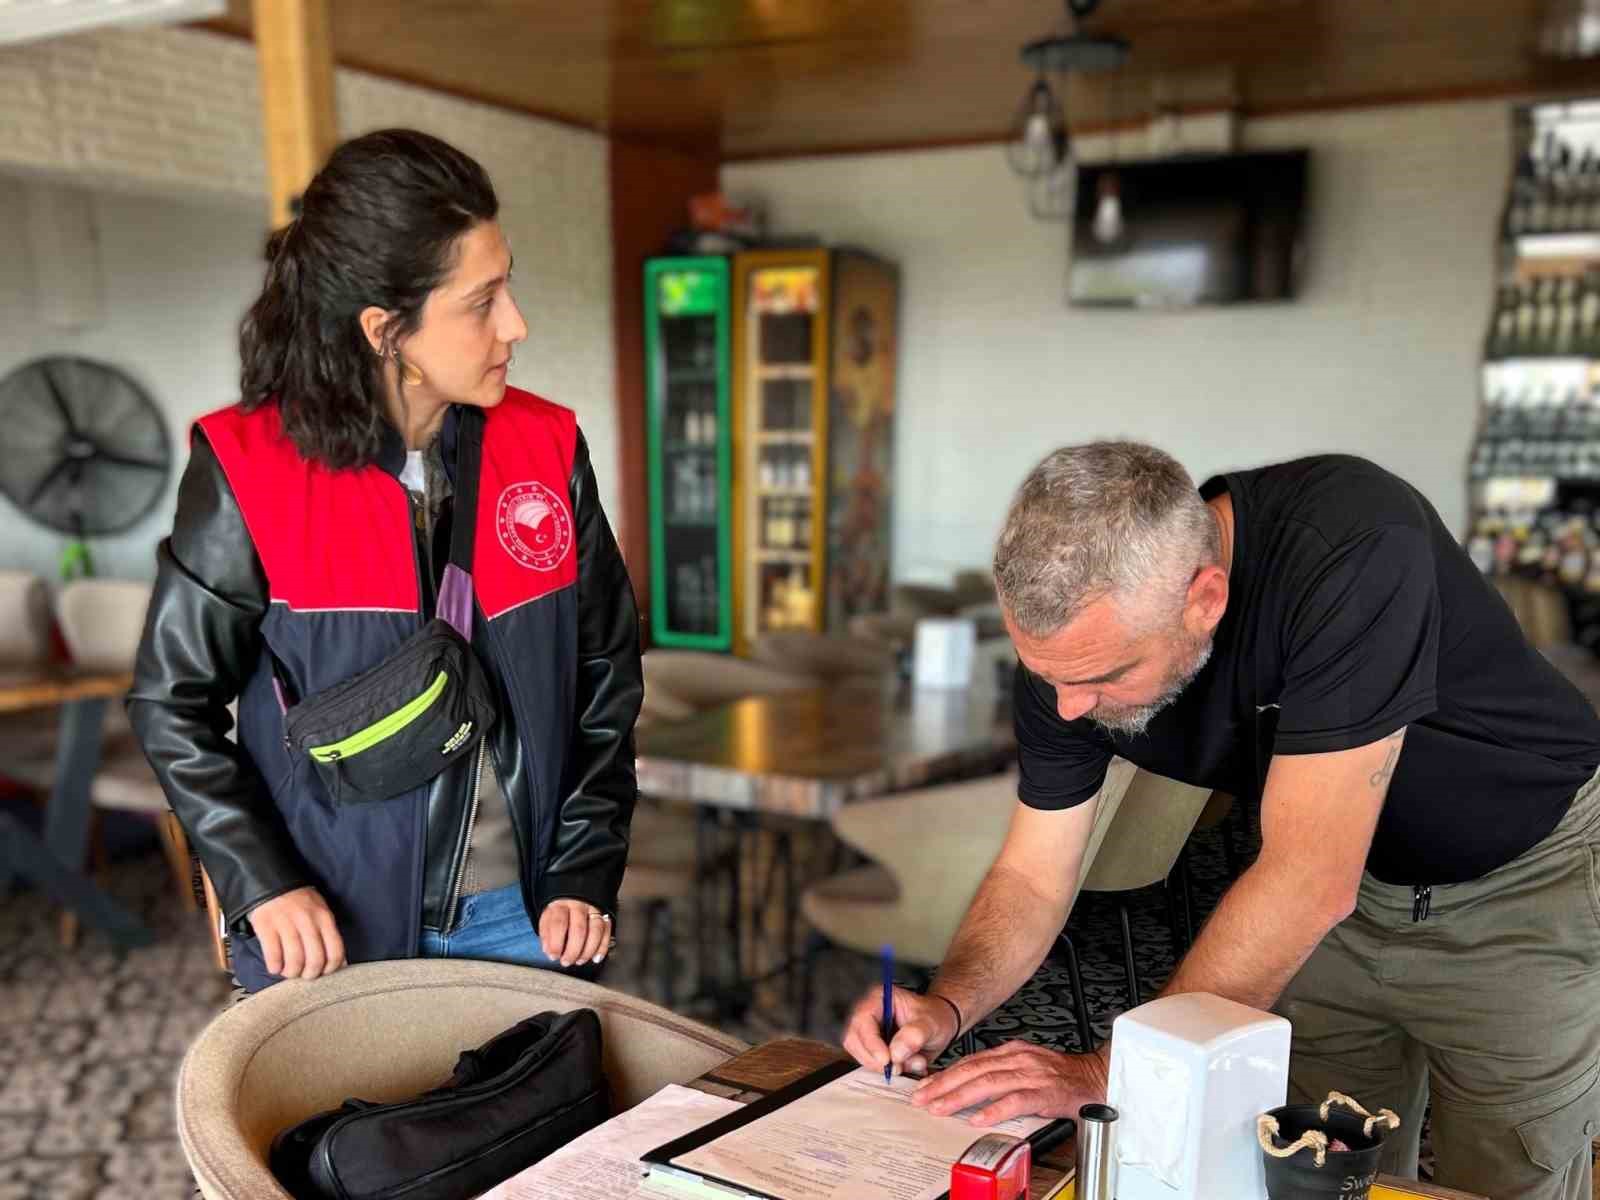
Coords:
pixel 45 484
pixel 61 401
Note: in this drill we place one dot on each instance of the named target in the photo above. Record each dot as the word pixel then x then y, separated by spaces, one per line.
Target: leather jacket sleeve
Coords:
pixel 201 642
pixel 591 837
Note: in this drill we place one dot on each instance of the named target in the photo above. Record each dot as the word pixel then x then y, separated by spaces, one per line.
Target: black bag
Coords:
pixel 394 727
pixel 520 1096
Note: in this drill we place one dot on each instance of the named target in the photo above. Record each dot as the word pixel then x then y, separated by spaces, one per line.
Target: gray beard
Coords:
pixel 1131 722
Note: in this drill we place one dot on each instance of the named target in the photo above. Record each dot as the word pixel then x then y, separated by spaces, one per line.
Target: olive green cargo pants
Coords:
pixel 1489 1008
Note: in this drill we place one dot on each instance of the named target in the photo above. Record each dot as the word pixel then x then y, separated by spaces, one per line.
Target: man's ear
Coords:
pixel 1207 599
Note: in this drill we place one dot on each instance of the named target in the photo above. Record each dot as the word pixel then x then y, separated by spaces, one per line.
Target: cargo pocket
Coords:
pixel 1554 1140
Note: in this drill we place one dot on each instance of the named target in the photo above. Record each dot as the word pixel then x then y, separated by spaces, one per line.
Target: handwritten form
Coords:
pixel 856 1136
pixel 604 1163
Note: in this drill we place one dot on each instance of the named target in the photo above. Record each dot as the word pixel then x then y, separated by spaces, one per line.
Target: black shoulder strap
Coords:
pixel 469 460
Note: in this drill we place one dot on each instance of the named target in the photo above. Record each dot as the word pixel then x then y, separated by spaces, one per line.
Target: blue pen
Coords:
pixel 888 1005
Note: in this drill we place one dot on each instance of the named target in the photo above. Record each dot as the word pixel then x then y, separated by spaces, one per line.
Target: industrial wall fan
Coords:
pixel 83 450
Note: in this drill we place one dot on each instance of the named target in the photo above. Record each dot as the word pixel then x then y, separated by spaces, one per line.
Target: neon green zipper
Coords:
pixel 364 739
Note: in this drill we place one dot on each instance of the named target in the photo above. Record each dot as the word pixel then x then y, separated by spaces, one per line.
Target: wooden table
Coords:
pixel 776 1064
pixel 803 754
pixel 54 863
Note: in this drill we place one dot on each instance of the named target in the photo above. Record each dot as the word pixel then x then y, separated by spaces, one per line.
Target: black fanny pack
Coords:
pixel 395 726
pixel 518 1097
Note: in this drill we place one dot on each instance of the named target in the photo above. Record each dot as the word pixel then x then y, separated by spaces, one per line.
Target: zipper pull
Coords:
pixel 1421 901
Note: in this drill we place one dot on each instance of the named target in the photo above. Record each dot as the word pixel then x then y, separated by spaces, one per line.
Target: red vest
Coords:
pixel 340 540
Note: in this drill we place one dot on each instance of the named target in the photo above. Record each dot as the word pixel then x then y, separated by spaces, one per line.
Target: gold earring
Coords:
pixel 409 375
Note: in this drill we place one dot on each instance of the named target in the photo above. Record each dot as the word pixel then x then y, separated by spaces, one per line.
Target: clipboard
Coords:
pixel 1042 1140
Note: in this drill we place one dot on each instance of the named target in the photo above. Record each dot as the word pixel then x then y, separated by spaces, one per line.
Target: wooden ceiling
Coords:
pixel 757 78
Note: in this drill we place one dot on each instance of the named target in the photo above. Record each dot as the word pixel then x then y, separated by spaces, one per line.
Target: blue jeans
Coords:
pixel 494 926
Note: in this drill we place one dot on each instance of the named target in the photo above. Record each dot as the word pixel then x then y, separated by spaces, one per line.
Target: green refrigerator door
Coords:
pixel 690 452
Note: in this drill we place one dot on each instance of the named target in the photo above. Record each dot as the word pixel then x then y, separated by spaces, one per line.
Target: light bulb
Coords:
pixel 1036 134
pixel 1107 224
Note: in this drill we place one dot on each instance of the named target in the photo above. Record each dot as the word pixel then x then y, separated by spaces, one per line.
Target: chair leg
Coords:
pixel 176 849
pixel 791 900
pixel 815 944
pixel 646 943
pixel 1188 896
pixel 669 956
pixel 68 927
pixel 1127 954
pixel 1080 1002
pixel 1174 918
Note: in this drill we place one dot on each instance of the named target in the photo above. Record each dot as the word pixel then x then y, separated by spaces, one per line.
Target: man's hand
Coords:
pixel 1018 1079
pixel 924 1025
pixel 571 931
pixel 299 939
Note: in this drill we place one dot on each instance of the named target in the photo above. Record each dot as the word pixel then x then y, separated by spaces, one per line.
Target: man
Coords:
pixel 1424 909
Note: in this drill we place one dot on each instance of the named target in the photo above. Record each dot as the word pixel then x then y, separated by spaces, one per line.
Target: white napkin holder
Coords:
pixel 943 654
pixel 1189 1075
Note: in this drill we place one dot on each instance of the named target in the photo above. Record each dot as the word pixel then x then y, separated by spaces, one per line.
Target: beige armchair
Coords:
pixel 1141 848
pixel 385 1031
pixel 24 647
pixel 930 850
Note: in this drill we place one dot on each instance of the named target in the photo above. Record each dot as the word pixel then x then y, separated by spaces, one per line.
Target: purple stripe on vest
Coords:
pixel 455 600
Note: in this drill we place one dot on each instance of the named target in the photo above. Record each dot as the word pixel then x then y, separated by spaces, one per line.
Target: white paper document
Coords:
pixel 856 1136
pixel 604 1163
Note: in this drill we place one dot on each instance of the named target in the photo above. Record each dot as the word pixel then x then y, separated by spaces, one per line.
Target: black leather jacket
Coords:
pixel 202 641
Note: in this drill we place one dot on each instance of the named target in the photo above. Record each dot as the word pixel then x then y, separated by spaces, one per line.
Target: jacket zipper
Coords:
pixel 466 840
pixel 422 821
pixel 384 728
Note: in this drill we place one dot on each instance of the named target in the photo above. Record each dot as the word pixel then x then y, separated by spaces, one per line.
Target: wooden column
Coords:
pixel 299 126
pixel 650 190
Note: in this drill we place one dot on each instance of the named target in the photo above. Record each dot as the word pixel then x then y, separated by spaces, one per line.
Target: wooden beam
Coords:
pixel 299 125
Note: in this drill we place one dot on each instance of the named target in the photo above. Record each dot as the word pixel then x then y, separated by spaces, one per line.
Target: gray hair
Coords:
pixel 1116 519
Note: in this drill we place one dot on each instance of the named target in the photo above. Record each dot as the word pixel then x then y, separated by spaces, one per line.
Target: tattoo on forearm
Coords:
pixel 1381 777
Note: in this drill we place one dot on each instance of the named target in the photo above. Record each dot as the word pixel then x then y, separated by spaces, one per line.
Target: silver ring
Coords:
pixel 594 916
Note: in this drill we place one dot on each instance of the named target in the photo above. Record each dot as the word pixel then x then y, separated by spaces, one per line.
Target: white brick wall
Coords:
pixel 169 119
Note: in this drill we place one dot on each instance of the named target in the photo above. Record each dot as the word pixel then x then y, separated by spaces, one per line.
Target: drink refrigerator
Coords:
pixel 815 341
pixel 689 454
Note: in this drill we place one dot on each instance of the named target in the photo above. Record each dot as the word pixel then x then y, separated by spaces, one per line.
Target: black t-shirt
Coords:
pixel 1353 612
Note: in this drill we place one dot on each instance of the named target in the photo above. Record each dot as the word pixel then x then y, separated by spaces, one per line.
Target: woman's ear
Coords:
pixel 373 319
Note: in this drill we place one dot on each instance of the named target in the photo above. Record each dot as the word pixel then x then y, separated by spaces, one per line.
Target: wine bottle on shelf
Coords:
pixel 1527 318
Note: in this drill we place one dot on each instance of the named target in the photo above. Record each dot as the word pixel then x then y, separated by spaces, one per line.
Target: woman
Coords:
pixel 313 527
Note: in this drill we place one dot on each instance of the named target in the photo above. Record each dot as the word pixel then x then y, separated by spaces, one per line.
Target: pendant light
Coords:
pixel 1053 197
pixel 1039 135
pixel 1040 148
pixel 1107 225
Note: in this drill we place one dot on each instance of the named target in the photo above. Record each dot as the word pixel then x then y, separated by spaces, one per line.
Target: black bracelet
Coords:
pixel 954 1009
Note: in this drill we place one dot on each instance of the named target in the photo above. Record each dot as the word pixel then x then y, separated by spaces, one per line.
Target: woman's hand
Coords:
pixel 571 931
pixel 299 939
